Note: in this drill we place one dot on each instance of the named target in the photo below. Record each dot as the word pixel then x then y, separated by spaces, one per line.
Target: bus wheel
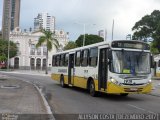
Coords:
pixel 62 81
pixel 92 91
pixel 124 94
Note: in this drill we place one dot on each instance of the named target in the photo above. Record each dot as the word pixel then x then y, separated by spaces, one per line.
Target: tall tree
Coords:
pixel 70 45
pixel 89 39
pixel 148 27
pixel 4 49
pixel 49 40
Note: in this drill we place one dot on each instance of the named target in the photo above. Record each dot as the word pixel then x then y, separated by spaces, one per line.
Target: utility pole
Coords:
pixel 112 29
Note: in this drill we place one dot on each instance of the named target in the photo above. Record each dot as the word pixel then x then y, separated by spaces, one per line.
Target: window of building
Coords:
pixel 44 64
pixel 78 58
pixel 39 51
pixel 18 45
pixel 93 56
pixel 32 52
pixel 16 63
pixel 85 54
pixel 44 50
pixel 38 63
pixel 32 62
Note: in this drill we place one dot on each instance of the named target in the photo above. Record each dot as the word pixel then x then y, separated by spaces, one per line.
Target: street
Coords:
pixel 75 100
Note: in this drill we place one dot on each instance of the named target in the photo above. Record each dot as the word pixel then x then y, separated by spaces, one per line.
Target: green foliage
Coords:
pixel 154 49
pixel 49 39
pixel 4 50
pixel 89 39
pixel 149 27
pixel 3 57
pixel 70 45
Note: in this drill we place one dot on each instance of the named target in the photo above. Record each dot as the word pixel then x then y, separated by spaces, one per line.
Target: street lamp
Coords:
pixel 84 31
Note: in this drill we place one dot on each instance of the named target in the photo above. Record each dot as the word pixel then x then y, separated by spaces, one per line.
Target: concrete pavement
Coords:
pixel 22 99
pixel 156 87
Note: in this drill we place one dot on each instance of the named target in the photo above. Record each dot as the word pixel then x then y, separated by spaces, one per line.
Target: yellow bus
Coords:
pixel 116 67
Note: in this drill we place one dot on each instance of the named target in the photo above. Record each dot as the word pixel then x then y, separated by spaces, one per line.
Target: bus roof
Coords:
pixel 98 44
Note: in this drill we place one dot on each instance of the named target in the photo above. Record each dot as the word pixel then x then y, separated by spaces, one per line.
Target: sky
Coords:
pixel 71 15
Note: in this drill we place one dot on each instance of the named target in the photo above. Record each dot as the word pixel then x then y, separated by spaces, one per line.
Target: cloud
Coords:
pixel 98 12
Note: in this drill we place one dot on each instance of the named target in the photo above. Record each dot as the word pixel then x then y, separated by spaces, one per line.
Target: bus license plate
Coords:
pixel 134 89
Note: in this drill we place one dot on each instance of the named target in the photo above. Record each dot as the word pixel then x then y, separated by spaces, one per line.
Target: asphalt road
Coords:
pixel 75 100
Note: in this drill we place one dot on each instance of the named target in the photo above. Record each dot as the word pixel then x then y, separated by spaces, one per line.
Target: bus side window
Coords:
pixel 93 57
pixel 61 60
pixel 159 63
pixel 84 55
pixel 78 58
pixel 66 59
pixel 53 60
pixel 57 60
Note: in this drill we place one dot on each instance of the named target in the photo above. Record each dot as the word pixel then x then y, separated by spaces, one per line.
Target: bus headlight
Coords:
pixel 114 81
pixel 150 81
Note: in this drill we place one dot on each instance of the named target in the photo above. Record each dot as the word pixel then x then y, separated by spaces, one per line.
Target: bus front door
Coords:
pixel 71 69
pixel 103 69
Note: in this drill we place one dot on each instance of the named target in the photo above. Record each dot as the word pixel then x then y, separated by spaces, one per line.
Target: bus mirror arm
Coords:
pixel 110 55
pixel 109 61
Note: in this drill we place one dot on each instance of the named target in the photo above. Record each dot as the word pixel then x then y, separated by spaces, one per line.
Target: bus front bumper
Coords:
pixel 114 88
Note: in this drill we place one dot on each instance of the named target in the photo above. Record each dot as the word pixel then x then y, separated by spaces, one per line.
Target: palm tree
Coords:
pixel 49 39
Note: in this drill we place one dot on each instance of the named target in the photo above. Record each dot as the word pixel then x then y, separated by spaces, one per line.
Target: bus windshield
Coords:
pixel 131 62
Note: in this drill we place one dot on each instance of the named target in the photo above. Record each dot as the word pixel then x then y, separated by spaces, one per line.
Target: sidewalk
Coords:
pixel 156 87
pixel 30 72
pixel 19 97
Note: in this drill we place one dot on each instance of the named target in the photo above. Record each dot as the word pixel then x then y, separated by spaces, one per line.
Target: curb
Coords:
pixel 156 95
pixel 45 103
pixel 25 73
pixel 155 78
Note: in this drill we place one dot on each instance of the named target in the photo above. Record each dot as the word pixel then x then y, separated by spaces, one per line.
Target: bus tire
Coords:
pixel 124 94
pixel 92 91
pixel 62 81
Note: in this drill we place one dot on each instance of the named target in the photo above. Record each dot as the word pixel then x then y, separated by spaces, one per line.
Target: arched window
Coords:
pixel 38 63
pixel 32 61
pixel 16 63
pixel 44 64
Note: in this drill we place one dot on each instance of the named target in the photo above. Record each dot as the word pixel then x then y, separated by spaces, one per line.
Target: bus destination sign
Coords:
pixel 130 44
